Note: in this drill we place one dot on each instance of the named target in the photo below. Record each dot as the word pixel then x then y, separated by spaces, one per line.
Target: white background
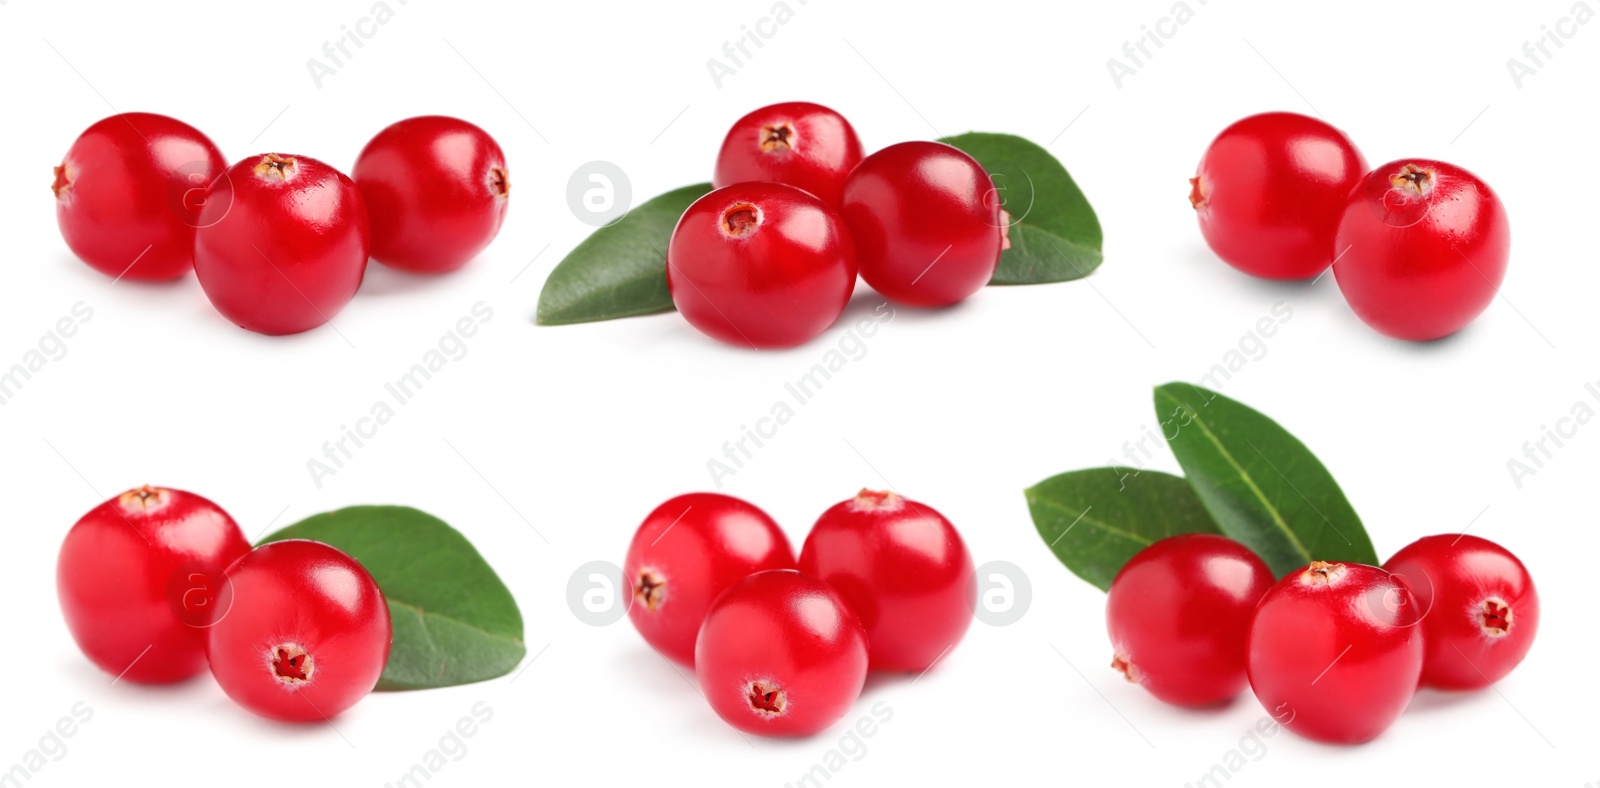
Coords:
pixel 579 431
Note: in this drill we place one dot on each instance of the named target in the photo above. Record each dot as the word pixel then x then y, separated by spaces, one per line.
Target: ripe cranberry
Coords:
pixel 780 654
pixel 1427 248
pixel 307 636
pixel 927 222
pixel 282 245
pixel 903 569
pixel 437 190
pixel 761 265
pixel 686 553
pixel 1269 191
pixel 1335 651
pixel 804 145
pixel 1480 611
pixel 1178 614
pixel 129 194
pixel 141 576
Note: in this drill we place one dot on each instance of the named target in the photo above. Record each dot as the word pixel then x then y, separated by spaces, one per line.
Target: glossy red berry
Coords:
pixel 1269 191
pixel 1335 651
pixel 1480 611
pixel 437 189
pixel 804 145
pixel 307 636
pixel 927 221
pixel 781 654
pixel 283 243
pixel 761 265
pixel 129 195
pixel 1423 249
pixel 141 576
pixel 1178 614
pixel 903 569
pixel 685 554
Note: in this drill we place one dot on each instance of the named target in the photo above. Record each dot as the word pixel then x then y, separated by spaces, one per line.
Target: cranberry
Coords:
pixel 437 190
pixel 1269 191
pixel 1178 614
pixel 780 654
pixel 282 245
pixel 804 145
pixel 129 194
pixel 760 264
pixel 307 636
pixel 927 222
pixel 1480 611
pixel 140 577
pixel 687 552
pixel 903 569
pixel 1336 651
pixel 1427 249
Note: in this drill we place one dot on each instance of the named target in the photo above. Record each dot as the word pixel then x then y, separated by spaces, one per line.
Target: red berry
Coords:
pixel 141 576
pixel 282 245
pixel 927 223
pixel 686 553
pixel 761 265
pixel 1335 651
pixel 1480 611
pixel 903 569
pixel 307 636
pixel 804 145
pixel 780 654
pixel 1269 192
pixel 1424 246
pixel 437 190
pixel 1178 614
pixel 129 194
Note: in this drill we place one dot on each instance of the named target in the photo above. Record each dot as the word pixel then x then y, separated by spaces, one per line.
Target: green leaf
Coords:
pixel 1055 235
pixel 454 620
pixel 1261 484
pixel 1095 520
pixel 621 269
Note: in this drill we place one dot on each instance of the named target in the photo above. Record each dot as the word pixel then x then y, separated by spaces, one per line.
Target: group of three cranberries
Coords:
pixel 1334 651
pixel 769 259
pixel 782 647
pixel 279 242
pixel 156 584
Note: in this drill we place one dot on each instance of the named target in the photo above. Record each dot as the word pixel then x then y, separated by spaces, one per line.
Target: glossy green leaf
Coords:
pixel 1262 485
pixel 455 622
pixel 621 269
pixel 1055 235
pixel 1095 520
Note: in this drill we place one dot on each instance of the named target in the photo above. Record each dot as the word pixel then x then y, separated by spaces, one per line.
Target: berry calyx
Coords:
pixel 292 665
pixel 685 554
pixel 903 569
pixel 142 575
pixel 781 654
pixel 1178 614
pixel 1269 190
pixel 1480 608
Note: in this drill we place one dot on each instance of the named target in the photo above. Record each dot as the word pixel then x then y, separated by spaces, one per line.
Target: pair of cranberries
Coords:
pixel 770 258
pixel 156 584
pixel 1419 247
pixel 279 242
pixel 1334 651
pixel 782 647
